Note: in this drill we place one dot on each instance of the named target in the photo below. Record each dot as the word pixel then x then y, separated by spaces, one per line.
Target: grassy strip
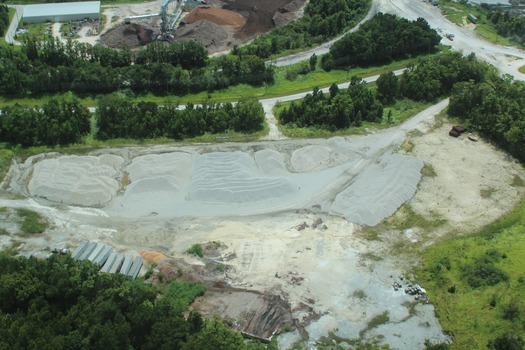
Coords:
pixel 5 162
pixel 12 12
pixel 474 316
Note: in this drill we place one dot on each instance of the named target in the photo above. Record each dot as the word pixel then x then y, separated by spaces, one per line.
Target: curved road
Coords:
pixel 10 33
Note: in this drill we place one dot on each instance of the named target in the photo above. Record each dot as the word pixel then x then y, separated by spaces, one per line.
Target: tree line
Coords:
pixel 4 19
pixel 322 20
pixel 63 120
pixel 117 117
pixel 338 110
pixel 509 25
pixel 52 66
pixel 58 303
pixel 380 40
pixel 428 79
pixel 60 121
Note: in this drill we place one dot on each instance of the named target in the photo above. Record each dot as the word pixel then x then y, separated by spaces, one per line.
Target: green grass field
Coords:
pixel 474 316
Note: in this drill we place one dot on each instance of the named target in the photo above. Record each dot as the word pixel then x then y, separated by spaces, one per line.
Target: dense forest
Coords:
pixel 51 66
pixel 509 25
pixel 322 20
pixel 383 38
pixel 4 19
pixel 60 304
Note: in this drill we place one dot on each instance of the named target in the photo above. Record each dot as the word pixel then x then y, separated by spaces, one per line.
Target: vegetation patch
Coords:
pixel 405 217
pixel 428 170
pixel 375 322
pixel 517 181
pixel 359 294
pixel 487 192
pixel 196 250
pixel 5 162
pixel 31 222
pixel 474 283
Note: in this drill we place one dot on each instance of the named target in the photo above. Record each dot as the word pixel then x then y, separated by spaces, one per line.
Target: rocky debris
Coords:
pixel 317 222
pixel 418 292
pixel 131 35
pixel 302 226
pixel 204 31
pixel 288 12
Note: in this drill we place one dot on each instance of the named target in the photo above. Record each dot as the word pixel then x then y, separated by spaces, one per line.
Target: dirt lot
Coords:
pixel 217 25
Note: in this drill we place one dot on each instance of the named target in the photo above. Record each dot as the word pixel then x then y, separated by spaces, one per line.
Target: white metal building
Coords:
pixel 61 12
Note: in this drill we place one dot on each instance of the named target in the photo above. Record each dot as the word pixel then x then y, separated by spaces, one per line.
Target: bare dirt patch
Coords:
pixel 216 15
pixel 131 35
pixel 472 185
pixel 237 21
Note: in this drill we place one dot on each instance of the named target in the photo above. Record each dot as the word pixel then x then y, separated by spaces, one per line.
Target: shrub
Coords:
pixel 508 341
pixel 196 249
pixel 512 310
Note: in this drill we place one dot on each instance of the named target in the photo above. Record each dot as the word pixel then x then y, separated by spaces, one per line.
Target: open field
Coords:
pixel 474 316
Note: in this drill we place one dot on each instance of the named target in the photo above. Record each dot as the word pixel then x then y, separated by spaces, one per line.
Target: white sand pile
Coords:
pixel 197 181
pixel 270 162
pixel 84 181
pixel 311 158
pixel 158 176
pixel 379 190
pixel 230 177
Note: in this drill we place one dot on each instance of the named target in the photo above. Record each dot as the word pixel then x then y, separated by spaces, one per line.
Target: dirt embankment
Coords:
pixel 254 313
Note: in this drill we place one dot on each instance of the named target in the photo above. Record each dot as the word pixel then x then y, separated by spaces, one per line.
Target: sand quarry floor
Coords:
pixel 289 217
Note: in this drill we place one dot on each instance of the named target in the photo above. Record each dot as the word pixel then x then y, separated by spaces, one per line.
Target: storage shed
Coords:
pixel 61 12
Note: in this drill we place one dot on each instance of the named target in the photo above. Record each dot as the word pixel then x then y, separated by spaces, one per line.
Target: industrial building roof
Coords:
pixel 61 9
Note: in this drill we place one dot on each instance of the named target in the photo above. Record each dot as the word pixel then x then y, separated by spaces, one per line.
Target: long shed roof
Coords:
pixel 61 9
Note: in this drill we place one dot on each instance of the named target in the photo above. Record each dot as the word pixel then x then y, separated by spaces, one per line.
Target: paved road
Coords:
pixel 323 48
pixel 10 34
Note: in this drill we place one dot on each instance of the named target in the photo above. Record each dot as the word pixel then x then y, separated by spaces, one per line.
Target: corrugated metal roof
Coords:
pixel 62 9
pixel 135 268
pixel 80 249
pixel 109 262
pixel 126 265
pixel 117 264
pixel 89 249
